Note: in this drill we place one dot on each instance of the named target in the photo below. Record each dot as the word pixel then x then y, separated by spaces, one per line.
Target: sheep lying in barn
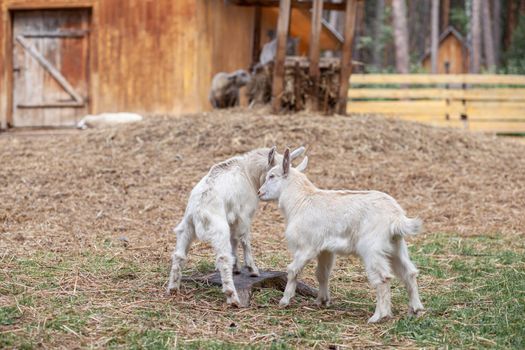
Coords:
pixel 321 224
pixel 224 91
pixel 108 119
pixel 220 210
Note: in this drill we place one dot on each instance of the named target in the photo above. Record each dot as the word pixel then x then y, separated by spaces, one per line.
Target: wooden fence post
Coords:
pixel 314 70
pixel 283 24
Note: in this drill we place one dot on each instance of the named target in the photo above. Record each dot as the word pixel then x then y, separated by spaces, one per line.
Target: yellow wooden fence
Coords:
pixel 490 103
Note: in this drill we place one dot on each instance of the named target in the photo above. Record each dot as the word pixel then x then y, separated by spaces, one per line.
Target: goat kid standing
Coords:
pixel 322 223
pixel 220 210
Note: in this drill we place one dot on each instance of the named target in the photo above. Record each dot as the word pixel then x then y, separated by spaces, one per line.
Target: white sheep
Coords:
pixel 224 91
pixel 108 119
pixel 220 210
pixel 321 224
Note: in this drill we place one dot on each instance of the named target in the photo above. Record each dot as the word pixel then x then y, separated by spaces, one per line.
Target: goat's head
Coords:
pixel 274 158
pixel 278 175
pixel 240 77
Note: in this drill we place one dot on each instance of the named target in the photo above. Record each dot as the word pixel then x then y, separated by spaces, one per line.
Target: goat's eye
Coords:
pixel 271 176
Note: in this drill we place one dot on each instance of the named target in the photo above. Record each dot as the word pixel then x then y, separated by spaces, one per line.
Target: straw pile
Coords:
pixel 137 178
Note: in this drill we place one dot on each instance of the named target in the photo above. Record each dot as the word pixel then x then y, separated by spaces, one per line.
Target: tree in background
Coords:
pixel 435 35
pixel 399 12
pixel 378 32
pixel 488 38
pixel 497 32
pixel 393 35
pixel 475 35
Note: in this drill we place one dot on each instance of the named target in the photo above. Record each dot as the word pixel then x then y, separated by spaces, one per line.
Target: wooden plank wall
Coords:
pixel 150 56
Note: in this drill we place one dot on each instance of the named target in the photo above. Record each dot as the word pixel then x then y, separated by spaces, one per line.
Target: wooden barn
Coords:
pixel 453 54
pixel 62 59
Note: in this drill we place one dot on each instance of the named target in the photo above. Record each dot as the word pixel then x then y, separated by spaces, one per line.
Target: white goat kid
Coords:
pixel 323 223
pixel 220 209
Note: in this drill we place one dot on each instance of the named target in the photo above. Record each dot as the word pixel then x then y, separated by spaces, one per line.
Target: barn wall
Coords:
pixel 151 56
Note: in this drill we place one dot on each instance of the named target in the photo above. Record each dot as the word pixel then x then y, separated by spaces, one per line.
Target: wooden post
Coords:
pixel 283 23
pixel 256 39
pixel 346 59
pixel 314 71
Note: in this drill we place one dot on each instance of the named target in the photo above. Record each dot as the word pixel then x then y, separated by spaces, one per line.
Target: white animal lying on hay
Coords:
pixel 108 119
pixel 220 210
pixel 323 223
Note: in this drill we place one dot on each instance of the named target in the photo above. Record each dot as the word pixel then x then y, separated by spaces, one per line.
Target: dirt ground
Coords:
pixel 70 203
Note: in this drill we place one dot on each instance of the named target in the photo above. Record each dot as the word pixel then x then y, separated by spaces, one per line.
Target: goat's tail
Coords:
pixel 405 226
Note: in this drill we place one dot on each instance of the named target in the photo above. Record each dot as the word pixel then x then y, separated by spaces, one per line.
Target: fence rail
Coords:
pixel 489 103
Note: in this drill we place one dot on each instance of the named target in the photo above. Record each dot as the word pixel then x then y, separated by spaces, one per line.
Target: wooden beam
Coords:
pixel 497 94
pixel 256 39
pixel 57 34
pixel 302 4
pixel 346 59
pixel 283 24
pixel 314 71
pixel 429 79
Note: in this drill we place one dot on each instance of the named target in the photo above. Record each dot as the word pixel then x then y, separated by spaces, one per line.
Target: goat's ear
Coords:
pixel 297 152
pixel 286 162
pixel 302 167
pixel 271 156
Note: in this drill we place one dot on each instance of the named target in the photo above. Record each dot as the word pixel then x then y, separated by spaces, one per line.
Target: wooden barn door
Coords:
pixel 50 67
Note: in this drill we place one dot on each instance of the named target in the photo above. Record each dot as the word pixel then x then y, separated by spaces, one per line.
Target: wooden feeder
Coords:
pixel 313 63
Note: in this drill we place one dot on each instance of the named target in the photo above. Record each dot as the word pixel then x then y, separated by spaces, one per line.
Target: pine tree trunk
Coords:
pixel 400 35
pixel 445 14
pixel 512 21
pixel 434 36
pixel 496 22
pixel 475 28
pixel 488 42
pixel 378 26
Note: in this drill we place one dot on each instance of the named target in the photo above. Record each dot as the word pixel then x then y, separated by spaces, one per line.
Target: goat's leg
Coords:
pixel 405 270
pixel 223 250
pixel 297 265
pixel 379 275
pixel 325 262
pixel 383 304
pixel 236 263
pixel 243 228
pixel 185 236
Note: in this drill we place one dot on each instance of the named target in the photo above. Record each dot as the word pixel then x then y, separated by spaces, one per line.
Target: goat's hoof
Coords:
pixel 379 318
pixel 172 290
pixel 233 301
pixel 254 271
pixel 416 312
pixel 284 303
pixel 322 302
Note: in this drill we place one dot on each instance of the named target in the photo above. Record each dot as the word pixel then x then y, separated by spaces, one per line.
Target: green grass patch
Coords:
pixel 473 289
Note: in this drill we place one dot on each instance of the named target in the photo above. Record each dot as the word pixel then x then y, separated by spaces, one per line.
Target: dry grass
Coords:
pixel 68 280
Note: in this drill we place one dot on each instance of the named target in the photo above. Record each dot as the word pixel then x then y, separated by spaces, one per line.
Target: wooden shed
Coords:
pixel 453 54
pixel 62 59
